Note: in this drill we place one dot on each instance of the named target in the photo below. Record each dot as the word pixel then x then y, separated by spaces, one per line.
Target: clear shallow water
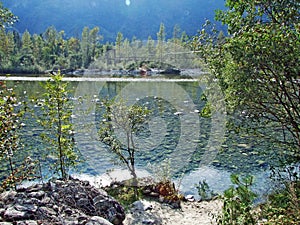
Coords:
pixel 174 132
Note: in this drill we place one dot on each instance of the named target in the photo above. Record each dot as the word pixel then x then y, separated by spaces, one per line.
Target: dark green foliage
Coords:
pixel 283 204
pixel 51 50
pixel 48 51
pixel 257 65
pixel 27 170
pixel 10 122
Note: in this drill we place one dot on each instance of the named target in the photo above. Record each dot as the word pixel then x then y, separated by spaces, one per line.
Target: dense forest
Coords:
pixel 26 53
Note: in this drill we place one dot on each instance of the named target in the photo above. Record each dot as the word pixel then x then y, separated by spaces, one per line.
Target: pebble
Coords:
pixel 190 198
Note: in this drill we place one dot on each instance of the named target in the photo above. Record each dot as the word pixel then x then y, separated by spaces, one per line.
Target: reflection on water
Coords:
pixel 219 180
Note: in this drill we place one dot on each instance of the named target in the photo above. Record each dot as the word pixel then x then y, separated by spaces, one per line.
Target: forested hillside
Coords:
pixel 139 18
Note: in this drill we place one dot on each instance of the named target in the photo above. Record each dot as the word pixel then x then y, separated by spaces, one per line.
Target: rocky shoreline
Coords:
pixel 60 202
pixel 77 202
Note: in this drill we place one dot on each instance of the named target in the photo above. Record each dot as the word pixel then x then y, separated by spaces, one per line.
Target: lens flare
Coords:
pixel 127 2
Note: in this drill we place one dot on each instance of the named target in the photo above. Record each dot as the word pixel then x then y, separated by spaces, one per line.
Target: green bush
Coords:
pixel 11 114
pixel 283 205
pixel 204 191
pixel 238 203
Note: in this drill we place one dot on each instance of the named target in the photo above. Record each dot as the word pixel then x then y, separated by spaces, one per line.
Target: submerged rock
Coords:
pixel 60 202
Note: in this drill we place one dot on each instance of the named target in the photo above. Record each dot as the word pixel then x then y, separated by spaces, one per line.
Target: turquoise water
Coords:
pixel 196 148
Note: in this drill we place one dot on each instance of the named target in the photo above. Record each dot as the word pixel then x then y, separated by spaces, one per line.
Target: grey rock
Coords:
pixel 47 211
pixel 34 188
pixel 56 195
pixel 68 211
pixel 45 200
pixel 83 202
pixel 26 208
pixel 96 220
pixel 2 210
pixel 26 222
pixel 113 210
pixel 56 208
pixel 37 194
pixel 99 200
pixel 150 222
pixel 8 195
pixel 70 222
pixel 114 217
pixel 80 195
pixel 142 205
pixel 59 182
pixel 153 194
pixel 11 214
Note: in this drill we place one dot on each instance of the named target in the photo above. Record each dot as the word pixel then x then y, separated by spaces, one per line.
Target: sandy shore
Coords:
pixel 191 213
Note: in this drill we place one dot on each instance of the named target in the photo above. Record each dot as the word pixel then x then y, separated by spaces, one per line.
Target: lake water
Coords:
pixel 196 148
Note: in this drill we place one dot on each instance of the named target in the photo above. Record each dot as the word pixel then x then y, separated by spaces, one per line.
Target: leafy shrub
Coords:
pixel 11 113
pixel 125 194
pixel 238 203
pixel 164 186
pixel 26 171
pixel 283 205
pixel 204 191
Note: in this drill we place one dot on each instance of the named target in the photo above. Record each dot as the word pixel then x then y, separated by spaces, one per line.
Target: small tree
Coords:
pixel 127 120
pixel 56 119
pixel 161 38
pixel 11 113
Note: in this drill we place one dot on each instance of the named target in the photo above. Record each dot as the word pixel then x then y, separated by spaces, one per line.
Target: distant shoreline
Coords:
pixel 99 79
